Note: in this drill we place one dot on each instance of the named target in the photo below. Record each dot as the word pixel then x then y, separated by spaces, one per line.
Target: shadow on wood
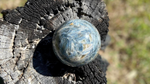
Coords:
pixel 46 63
pixel 44 60
pixel 1 80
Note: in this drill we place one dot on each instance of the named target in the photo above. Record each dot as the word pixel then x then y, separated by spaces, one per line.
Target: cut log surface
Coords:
pixel 26 54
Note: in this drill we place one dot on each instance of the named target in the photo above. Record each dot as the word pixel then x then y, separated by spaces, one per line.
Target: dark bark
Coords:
pixel 26 54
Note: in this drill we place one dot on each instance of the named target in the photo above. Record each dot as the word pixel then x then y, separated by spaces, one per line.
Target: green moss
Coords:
pixel 133 47
pixel 1 15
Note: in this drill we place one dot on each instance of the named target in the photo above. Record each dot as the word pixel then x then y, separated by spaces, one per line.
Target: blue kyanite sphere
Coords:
pixel 76 42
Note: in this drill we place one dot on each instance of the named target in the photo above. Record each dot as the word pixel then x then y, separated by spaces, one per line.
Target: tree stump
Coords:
pixel 26 54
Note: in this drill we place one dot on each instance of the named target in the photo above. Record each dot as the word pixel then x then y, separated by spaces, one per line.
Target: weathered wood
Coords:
pixel 26 54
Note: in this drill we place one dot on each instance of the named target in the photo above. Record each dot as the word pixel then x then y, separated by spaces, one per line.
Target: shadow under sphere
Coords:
pixel 45 61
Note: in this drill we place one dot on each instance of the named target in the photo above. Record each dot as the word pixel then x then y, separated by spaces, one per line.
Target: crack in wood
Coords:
pixel 13 47
pixel 24 70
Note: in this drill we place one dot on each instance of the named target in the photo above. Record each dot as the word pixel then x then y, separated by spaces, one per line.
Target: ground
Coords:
pixel 128 51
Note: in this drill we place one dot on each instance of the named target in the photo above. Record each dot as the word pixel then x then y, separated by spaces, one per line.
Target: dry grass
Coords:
pixel 10 4
pixel 129 50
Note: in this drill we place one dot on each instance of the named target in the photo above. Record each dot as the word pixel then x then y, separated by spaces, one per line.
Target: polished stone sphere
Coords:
pixel 76 42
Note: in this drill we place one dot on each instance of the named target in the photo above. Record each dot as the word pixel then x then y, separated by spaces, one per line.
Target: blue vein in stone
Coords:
pixel 76 42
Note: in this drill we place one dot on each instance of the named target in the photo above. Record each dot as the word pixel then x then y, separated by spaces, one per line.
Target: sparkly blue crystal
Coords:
pixel 76 42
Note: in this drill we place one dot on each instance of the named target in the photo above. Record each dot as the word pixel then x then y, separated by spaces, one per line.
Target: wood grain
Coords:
pixel 26 54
